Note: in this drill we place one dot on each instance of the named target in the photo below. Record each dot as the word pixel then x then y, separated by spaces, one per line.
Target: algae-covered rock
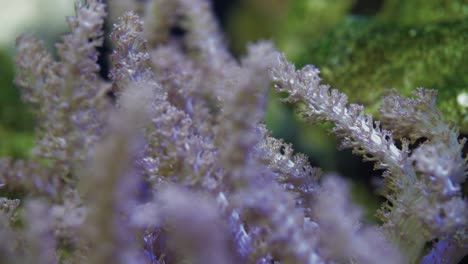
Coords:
pixel 423 11
pixel 308 21
pixel 363 58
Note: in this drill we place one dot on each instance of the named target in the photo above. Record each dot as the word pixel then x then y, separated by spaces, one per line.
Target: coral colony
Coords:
pixel 179 168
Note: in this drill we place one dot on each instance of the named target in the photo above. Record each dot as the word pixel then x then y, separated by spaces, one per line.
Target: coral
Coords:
pixel 178 167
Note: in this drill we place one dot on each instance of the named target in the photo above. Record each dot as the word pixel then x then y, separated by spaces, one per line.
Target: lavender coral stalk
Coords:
pixel 107 230
pixel 423 185
pixel 67 94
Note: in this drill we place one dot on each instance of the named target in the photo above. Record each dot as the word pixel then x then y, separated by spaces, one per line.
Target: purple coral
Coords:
pixel 187 125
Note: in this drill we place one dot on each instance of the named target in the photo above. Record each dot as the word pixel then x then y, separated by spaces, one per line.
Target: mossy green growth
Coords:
pixel 287 22
pixel 363 58
pixel 423 11
pixel 309 20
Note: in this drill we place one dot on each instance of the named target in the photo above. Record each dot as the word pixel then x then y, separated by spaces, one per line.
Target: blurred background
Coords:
pixel 362 47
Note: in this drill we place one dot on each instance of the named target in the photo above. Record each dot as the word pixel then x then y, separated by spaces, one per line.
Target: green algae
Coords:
pixel 363 58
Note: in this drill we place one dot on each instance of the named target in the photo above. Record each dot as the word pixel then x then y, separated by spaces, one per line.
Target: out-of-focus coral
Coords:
pixel 179 167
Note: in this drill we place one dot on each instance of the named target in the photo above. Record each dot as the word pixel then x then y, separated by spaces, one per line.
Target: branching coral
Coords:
pixel 180 169
pixel 423 185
